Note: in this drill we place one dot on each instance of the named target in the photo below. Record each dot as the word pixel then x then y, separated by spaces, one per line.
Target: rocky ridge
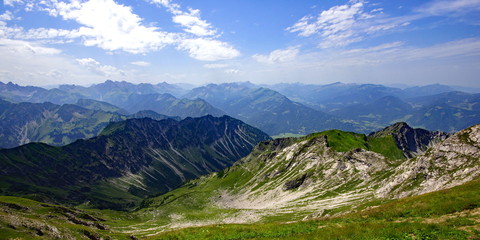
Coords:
pixel 328 173
pixel 450 163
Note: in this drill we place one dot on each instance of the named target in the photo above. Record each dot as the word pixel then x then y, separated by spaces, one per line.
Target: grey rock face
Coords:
pixel 412 141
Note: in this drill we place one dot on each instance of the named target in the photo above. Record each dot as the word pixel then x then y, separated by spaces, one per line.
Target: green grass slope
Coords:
pixel 447 214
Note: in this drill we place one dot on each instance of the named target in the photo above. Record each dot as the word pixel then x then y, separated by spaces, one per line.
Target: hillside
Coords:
pixel 322 175
pixel 446 214
pixel 130 160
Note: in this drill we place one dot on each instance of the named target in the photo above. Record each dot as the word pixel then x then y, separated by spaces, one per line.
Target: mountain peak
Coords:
pixel 412 141
pixel 393 129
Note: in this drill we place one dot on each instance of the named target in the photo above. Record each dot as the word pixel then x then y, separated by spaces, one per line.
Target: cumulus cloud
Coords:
pixel 141 63
pixel 11 2
pixel 6 16
pixel 202 44
pixel 279 55
pixel 115 27
pixel 208 49
pixel 95 67
pixel 112 26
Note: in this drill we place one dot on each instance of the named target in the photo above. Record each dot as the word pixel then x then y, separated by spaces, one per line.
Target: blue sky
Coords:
pixel 82 42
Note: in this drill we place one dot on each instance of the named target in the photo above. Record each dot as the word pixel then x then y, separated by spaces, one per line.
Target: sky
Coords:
pixel 407 42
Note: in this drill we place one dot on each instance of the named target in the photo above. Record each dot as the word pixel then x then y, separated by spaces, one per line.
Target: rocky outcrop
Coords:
pixel 309 174
pixel 412 141
pixel 449 163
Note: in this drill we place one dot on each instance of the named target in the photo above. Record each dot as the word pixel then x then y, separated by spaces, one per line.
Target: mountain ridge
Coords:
pixel 133 159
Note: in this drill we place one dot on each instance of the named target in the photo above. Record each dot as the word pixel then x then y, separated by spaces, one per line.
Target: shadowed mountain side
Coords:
pixel 128 161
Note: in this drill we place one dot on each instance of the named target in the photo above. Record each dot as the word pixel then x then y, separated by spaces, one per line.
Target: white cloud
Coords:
pixel 112 26
pixel 33 64
pixel 469 47
pixel 12 2
pixel 393 53
pixel 6 16
pixel 23 47
pixel 208 49
pixel 342 25
pixel 216 65
pixel 335 25
pixel 171 7
pixel 47 34
pixel 443 7
pixel 232 71
pixel 279 55
pixel 202 44
pixel 194 24
pixel 141 63
pixel 95 67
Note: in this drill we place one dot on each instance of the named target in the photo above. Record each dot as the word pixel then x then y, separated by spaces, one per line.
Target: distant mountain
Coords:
pixel 16 93
pixel 112 91
pixel 427 90
pixel 435 107
pixel 337 96
pixel 296 108
pixel 153 115
pixel 24 122
pixel 99 105
pixel 381 112
pixel 449 112
pixel 21 123
pixel 124 95
pixel 167 104
pixel 130 160
pixel 266 109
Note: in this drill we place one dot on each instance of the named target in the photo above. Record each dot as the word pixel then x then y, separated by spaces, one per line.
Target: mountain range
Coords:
pixel 128 161
pixel 434 107
pixel 339 179
pixel 267 109
pixel 25 122
pixel 281 109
